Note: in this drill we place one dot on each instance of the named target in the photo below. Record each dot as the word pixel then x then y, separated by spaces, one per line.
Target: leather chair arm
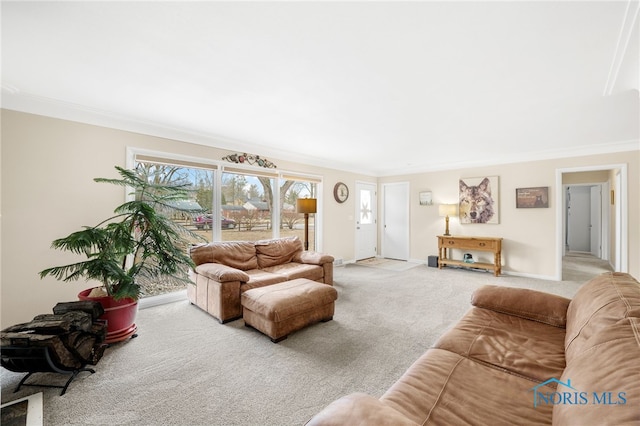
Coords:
pixel 221 273
pixel 313 258
pixel 524 303
pixel 359 409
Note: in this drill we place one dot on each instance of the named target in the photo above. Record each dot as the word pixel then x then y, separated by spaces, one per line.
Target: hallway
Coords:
pixel 581 266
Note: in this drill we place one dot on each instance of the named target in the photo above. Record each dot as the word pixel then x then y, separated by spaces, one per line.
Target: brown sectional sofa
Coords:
pixel 520 357
pixel 225 270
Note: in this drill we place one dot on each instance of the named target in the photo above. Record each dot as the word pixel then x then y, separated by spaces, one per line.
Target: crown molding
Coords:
pixel 626 30
pixel 13 99
pixel 581 151
pixel 19 101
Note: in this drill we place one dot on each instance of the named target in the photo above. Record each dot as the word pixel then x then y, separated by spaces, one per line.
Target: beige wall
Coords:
pixel 530 235
pixel 48 166
pixel 47 192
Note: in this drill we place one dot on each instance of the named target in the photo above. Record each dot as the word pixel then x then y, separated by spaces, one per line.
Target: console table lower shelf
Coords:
pixel 448 242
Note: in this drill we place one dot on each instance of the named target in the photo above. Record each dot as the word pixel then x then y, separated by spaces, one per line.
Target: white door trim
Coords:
pixel 621 208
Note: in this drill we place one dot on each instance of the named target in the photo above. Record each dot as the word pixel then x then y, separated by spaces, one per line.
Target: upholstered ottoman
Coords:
pixel 279 309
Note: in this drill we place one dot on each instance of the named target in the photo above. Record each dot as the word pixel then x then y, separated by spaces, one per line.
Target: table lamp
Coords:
pixel 447 210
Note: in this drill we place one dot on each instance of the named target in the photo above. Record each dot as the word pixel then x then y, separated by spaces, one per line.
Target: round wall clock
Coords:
pixel 340 192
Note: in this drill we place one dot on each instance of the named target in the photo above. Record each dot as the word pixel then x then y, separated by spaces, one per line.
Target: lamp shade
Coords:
pixel 306 205
pixel 448 209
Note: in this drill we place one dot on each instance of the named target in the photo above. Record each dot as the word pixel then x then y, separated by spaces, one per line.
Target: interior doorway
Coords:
pixel 585 229
pixel 603 190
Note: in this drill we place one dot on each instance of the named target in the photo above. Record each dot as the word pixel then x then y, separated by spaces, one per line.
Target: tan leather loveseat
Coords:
pixel 521 357
pixel 225 270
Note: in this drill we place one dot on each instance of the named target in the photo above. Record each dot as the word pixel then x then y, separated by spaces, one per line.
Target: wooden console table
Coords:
pixel 446 243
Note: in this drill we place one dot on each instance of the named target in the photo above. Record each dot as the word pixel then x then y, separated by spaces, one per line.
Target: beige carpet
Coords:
pixel 387 264
pixel 187 369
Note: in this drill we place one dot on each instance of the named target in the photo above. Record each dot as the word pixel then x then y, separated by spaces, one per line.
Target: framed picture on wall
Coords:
pixel 532 198
pixel 426 198
pixel 479 200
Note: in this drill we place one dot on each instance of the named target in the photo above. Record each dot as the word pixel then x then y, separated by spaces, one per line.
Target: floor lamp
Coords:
pixel 306 206
pixel 447 210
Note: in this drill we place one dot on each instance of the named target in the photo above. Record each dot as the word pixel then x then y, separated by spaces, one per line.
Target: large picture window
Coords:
pixel 199 179
pixel 231 203
pixel 247 203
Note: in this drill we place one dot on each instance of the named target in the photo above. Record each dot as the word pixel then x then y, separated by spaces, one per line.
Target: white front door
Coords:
pixel 395 216
pixel 366 220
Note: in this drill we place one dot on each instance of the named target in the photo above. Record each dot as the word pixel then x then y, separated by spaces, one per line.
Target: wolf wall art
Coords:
pixel 479 200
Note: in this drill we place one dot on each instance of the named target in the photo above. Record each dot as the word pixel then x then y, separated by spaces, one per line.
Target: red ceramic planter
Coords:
pixel 119 314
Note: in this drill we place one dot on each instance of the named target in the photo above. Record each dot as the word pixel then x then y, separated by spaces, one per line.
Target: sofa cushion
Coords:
pixel 237 254
pixel 610 368
pixel 599 303
pixel 521 302
pixel 277 251
pixel 261 278
pixel 527 348
pixel 444 388
pixel 293 270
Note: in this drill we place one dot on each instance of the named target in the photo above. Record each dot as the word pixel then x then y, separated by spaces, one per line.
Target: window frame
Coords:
pixel 219 167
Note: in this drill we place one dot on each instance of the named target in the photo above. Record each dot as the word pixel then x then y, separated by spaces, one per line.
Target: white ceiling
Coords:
pixel 374 87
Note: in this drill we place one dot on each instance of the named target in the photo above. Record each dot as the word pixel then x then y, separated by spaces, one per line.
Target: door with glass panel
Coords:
pixel 366 220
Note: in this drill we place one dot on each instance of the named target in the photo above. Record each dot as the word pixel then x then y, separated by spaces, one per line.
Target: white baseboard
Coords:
pixel 534 276
pixel 176 296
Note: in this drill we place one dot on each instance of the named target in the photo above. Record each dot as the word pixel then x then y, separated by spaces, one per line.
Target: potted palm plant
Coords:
pixel 138 245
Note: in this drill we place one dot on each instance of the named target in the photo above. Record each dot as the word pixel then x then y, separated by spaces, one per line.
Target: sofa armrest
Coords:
pixel 359 409
pixel 221 273
pixel 313 258
pixel 524 303
pixel 320 259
